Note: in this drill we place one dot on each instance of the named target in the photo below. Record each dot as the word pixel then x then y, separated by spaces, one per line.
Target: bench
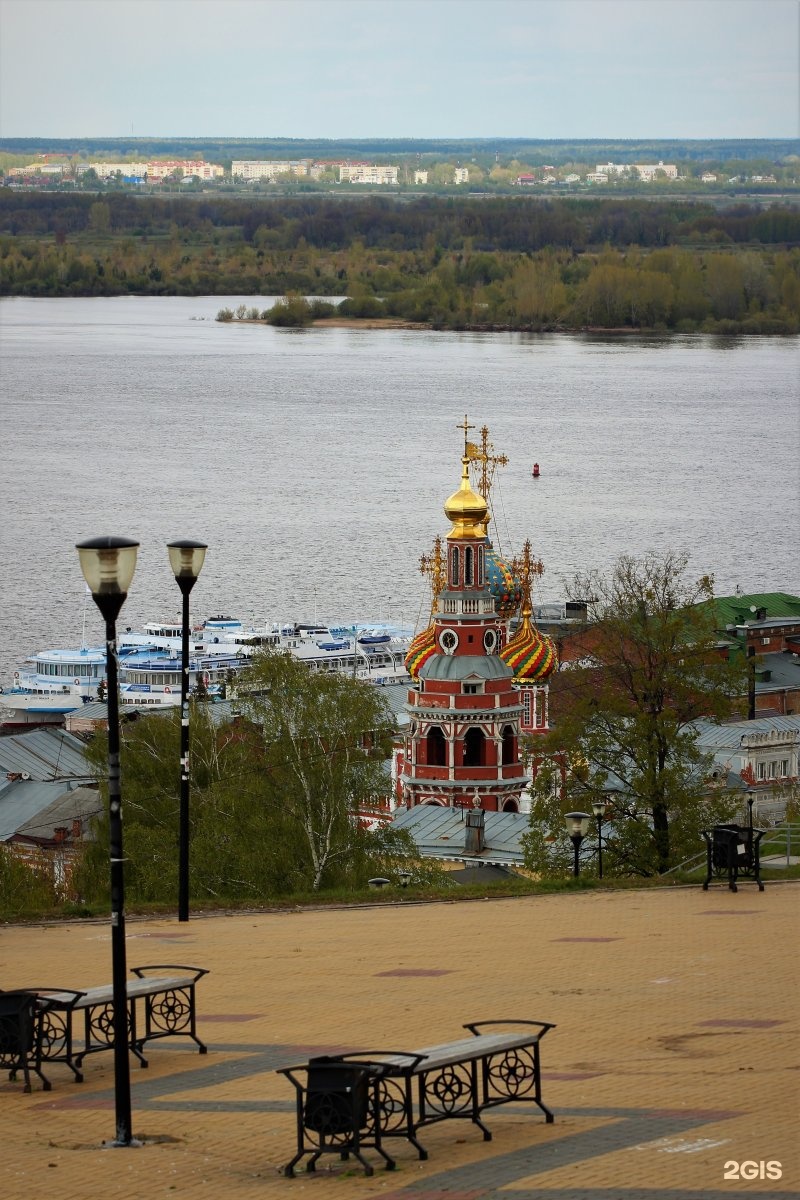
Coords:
pixel 409 1090
pixel 169 1011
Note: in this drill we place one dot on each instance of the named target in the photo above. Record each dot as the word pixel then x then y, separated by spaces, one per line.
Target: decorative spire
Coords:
pixel 489 462
pixel 531 656
pixel 465 508
pixel 433 564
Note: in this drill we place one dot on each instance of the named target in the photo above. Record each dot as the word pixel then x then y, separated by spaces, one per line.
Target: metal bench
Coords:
pixel 169 1011
pixel 451 1080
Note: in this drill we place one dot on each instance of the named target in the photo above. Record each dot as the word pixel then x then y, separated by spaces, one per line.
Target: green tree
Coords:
pixel 649 666
pixel 325 744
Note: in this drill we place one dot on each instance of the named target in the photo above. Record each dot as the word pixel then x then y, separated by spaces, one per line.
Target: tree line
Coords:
pixel 452 265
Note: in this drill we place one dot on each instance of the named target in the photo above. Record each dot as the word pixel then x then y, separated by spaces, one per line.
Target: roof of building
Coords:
pixel 738 610
pixel 24 803
pixel 465 666
pixel 44 755
pixel 441 833
pixel 719 737
pixel 76 804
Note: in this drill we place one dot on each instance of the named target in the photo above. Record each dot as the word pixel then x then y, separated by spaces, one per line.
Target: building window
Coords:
pixel 784 768
pixel 454 567
pixel 437 747
pixel 761 771
pixel 509 746
pixel 474 748
pixel 468 558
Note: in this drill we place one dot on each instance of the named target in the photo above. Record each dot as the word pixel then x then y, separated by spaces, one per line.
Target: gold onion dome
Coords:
pixel 466 509
pixel 422 647
pixel 531 656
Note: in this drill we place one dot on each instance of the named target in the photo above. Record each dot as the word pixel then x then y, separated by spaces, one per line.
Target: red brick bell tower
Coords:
pixel 462 750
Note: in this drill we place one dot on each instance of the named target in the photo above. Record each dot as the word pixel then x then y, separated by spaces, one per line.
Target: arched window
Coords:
pixel 437 747
pixel 509 745
pixel 468 557
pixel 510 806
pixel 480 579
pixel 474 748
pixel 454 567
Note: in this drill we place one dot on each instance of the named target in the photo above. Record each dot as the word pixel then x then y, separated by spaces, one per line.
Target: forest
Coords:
pixel 461 263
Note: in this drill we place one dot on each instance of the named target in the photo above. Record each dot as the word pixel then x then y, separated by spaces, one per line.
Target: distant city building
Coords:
pixel 572 178
pixel 37 169
pixel 610 169
pixel 163 169
pixel 251 168
pixel 367 173
pixel 648 171
pixel 461 175
pixel 597 177
pixel 708 177
pixel 526 180
pixel 104 170
pixel 420 177
pixel 763 179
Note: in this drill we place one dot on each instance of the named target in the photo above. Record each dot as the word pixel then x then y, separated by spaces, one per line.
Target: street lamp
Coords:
pixel 186 559
pixel 577 828
pixel 599 808
pixel 108 564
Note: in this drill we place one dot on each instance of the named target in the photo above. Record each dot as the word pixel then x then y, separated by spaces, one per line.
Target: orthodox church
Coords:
pixel 475 686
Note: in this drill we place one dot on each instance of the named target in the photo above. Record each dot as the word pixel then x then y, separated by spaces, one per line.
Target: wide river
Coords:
pixel 316 462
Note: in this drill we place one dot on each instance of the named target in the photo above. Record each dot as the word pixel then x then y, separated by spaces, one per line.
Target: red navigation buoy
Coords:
pixel 535 471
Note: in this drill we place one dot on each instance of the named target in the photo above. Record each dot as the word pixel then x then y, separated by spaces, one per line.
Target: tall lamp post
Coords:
pixel 186 559
pixel 577 828
pixel 599 808
pixel 108 564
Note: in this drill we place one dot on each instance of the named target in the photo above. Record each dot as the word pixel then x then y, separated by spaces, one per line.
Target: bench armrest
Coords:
pixel 198 972
pixel 56 997
pixel 476 1026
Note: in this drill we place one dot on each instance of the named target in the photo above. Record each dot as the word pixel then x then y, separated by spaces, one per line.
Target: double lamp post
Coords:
pixel 108 565
pixel 578 828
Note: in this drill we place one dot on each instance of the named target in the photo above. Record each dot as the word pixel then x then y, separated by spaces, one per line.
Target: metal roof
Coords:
pixel 80 803
pixel 22 802
pixel 441 833
pixel 44 754
pixel 719 737
pixel 737 610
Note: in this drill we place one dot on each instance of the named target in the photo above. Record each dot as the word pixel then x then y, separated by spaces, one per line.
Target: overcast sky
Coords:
pixel 399 68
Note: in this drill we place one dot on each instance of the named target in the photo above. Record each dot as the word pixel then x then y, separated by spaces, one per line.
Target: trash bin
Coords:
pixel 732 850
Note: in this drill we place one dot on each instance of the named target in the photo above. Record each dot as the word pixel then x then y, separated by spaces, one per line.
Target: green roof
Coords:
pixel 738 610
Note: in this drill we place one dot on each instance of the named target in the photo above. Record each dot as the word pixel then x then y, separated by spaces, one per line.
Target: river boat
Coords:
pixel 55 682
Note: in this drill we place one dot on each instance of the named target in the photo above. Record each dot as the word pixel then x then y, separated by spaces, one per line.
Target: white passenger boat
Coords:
pixel 55 682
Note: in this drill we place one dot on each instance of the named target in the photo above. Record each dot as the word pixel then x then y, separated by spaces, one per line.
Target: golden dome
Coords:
pixel 466 509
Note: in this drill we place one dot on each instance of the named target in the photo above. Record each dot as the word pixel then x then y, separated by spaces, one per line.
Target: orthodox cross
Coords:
pixel 466 426
pixel 525 567
pixel 433 564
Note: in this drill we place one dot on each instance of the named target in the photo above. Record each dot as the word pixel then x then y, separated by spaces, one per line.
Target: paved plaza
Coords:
pixel 674 1061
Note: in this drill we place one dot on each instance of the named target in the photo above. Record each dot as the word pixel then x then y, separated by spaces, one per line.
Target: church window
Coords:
pixel 454 567
pixel 474 748
pixel 509 746
pixel 480 567
pixel 437 747
pixel 468 558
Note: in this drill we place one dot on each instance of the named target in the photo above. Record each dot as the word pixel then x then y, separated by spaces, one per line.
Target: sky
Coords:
pixel 400 68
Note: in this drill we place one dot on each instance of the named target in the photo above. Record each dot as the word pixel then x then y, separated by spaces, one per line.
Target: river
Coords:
pixel 316 462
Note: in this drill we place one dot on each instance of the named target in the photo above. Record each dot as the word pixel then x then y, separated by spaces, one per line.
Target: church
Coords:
pixel 476 686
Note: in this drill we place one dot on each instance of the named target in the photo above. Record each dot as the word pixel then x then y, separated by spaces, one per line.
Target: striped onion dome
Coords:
pixel 531 656
pixel 422 647
pixel 503 584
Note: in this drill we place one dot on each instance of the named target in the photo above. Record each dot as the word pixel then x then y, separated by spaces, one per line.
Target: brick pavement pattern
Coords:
pixel 675 1052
